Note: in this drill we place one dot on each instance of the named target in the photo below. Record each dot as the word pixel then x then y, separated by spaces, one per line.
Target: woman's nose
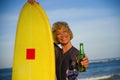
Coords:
pixel 62 34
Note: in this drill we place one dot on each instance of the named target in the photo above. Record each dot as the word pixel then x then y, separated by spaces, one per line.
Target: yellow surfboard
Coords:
pixel 34 50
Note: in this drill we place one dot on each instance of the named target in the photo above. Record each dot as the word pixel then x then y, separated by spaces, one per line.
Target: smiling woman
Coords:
pixel 68 54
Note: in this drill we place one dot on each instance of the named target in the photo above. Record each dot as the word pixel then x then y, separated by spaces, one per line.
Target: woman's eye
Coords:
pixel 64 31
pixel 58 33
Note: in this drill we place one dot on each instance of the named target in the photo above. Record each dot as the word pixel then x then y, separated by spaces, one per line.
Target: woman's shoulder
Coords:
pixel 75 50
pixel 74 53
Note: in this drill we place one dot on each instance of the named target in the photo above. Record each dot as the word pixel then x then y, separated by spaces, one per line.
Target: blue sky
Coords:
pixel 96 23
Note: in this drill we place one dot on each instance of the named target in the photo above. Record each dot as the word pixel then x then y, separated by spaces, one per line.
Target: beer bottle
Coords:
pixel 81 55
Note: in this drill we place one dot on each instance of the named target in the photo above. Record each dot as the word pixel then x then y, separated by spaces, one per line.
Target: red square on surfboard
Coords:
pixel 30 54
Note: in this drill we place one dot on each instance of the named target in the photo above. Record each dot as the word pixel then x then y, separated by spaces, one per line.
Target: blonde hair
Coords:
pixel 58 25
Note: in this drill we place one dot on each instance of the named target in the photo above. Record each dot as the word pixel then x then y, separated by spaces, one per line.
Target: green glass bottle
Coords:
pixel 81 55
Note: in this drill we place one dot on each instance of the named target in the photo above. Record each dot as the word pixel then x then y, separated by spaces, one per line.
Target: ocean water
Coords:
pixel 107 69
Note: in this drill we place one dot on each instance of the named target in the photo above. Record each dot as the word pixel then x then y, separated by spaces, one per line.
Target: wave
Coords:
pixel 104 60
pixel 107 77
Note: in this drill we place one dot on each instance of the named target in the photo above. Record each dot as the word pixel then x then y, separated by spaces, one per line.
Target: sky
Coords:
pixel 96 23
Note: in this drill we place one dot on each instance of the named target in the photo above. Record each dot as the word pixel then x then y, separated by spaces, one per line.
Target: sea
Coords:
pixel 104 69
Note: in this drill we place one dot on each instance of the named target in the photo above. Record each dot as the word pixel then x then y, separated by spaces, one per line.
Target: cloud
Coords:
pixel 7 37
pixel 98 29
pixel 79 13
pixel 8 17
pixel 6 55
pixel 7 48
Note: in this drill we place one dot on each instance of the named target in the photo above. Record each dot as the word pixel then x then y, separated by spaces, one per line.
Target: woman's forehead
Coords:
pixel 62 28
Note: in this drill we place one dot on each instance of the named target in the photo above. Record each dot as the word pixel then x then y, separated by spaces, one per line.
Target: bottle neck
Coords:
pixel 81 49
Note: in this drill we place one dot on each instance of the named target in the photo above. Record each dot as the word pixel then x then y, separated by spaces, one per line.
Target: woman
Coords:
pixel 68 53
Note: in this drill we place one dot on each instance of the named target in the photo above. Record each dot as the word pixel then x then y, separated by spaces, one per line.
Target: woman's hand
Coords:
pixel 32 1
pixel 85 62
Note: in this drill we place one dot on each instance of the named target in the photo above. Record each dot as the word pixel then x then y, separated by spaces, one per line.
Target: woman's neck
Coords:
pixel 66 47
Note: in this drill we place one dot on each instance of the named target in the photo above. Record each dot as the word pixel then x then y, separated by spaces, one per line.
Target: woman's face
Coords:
pixel 63 36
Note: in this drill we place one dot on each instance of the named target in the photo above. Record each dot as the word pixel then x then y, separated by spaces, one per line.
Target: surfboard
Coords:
pixel 34 57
